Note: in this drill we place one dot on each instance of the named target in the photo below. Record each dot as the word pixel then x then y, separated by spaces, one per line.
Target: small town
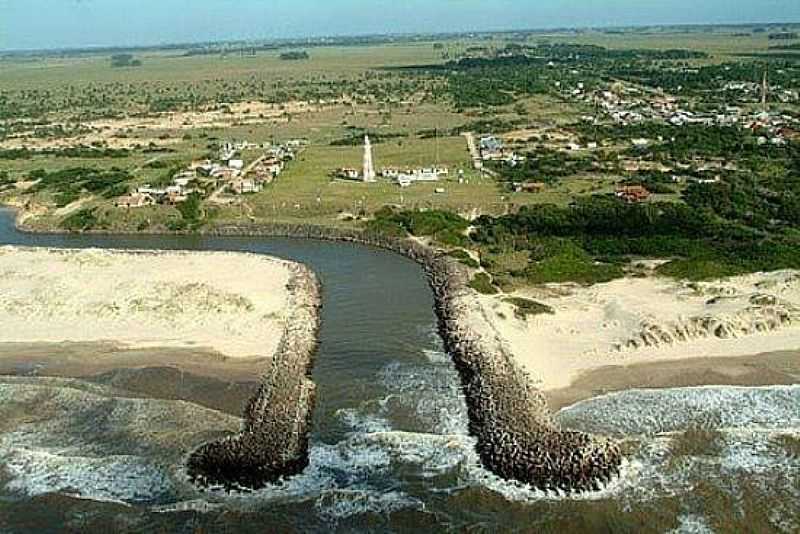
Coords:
pixel 225 177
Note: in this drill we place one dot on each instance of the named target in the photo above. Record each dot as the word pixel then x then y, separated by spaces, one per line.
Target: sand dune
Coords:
pixel 235 304
pixel 636 320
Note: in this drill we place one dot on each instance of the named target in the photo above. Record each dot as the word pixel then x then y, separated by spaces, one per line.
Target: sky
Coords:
pixel 35 24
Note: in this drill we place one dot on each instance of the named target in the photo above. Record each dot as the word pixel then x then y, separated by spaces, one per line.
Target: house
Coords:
pixel 135 200
pixel 347 173
pixel 530 187
pixel 236 164
pixel 633 193
pixel 243 186
pixel 490 145
pixel 174 197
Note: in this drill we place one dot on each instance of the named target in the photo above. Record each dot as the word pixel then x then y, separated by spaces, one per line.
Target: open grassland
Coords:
pixel 186 105
pixel 173 67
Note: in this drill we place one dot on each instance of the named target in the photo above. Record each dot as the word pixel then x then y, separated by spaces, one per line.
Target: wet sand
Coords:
pixel 203 377
pixel 78 360
pixel 777 368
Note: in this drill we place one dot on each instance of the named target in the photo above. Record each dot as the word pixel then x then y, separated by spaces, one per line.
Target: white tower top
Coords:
pixel 369 167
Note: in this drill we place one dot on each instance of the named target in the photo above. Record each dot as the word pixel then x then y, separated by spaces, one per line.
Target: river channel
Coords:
pixel 390 449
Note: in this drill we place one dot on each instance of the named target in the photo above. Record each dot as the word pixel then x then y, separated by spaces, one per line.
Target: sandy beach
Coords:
pixel 230 304
pixel 638 321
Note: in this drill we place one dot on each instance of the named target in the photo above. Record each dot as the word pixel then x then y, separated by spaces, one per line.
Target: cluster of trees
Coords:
pixel 720 230
pixel 67 185
pixel 707 80
pixel 68 152
pixel 678 142
pixel 519 70
pixel 355 137
pixel 294 55
pixel 444 226
pixel 125 60
pixel 81 220
pixel 783 36
pixel 543 165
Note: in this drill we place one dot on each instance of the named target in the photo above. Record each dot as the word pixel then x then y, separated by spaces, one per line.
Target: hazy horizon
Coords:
pixel 53 24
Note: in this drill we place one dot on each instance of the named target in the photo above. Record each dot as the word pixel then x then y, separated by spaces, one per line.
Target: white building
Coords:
pixel 369 167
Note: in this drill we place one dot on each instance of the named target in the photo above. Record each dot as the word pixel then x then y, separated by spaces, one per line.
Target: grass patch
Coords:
pixel 698 269
pixel 80 221
pixel 525 308
pixel 464 257
pixel 482 283
pixel 572 266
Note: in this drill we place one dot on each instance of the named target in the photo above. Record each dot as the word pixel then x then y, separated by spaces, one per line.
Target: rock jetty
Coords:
pixel 517 436
pixel 518 439
pixel 273 442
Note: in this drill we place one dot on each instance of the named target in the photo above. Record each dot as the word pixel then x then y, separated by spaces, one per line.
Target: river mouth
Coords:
pixel 390 448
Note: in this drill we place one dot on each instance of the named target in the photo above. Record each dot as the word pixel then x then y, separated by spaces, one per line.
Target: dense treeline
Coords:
pixel 520 70
pixel 707 80
pixel 294 55
pixel 722 229
pixel 445 227
pixel 679 142
pixel 68 185
pixel 125 60
pixel 68 152
pixel 355 137
pixel 543 165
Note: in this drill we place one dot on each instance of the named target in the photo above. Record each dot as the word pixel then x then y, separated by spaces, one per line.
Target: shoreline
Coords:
pixel 123 305
pixel 516 433
pixel 757 370
pixel 87 359
pixel 643 320
pixel 510 414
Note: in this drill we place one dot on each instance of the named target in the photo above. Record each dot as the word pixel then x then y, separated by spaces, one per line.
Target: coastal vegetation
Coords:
pixel 524 308
pixel 294 55
pixel 125 60
pixel 724 198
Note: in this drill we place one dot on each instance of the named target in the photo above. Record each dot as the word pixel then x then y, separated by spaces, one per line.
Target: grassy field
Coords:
pixel 378 99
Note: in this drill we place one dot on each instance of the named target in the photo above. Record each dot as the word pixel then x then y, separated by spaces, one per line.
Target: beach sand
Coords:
pixel 604 336
pixel 216 307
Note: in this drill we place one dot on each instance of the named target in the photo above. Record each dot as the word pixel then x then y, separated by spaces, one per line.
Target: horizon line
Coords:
pixel 310 38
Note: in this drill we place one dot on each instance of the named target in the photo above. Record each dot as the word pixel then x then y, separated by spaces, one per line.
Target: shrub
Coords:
pixel 525 308
pixel 482 283
pixel 464 257
pixel 80 221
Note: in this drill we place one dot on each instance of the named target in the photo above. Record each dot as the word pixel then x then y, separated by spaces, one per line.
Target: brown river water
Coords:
pixel 390 450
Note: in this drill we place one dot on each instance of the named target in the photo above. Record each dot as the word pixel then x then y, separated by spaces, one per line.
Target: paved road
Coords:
pixel 477 162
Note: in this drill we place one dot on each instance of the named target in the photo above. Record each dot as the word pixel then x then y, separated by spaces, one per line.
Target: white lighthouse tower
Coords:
pixel 369 166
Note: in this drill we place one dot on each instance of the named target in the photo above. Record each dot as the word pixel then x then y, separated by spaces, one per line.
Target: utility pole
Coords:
pixel 437 145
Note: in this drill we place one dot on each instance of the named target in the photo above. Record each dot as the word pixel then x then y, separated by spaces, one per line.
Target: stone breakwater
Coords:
pixel 517 436
pixel 273 442
pixel 518 439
